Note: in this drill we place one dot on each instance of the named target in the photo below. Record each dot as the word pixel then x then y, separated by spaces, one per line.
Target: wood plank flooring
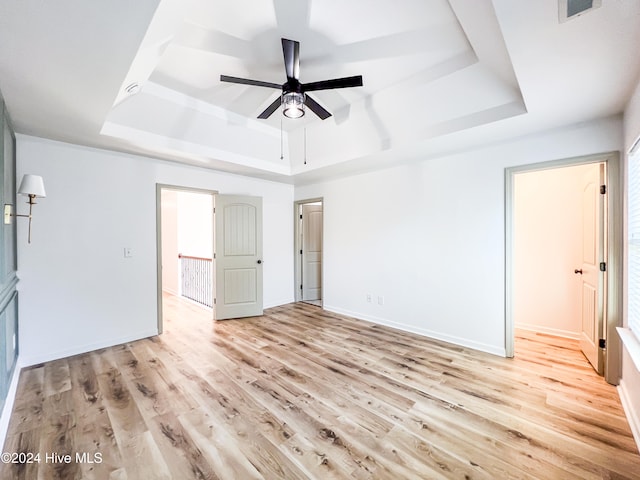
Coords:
pixel 303 393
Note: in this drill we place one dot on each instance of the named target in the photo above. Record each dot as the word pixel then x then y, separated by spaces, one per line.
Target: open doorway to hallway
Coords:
pixel 185 246
pixel 308 251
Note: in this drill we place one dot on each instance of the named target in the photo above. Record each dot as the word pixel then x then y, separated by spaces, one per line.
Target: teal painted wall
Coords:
pixel 8 257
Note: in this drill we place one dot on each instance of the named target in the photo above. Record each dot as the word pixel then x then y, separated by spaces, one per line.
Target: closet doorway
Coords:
pixel 308 250
pixel 588 272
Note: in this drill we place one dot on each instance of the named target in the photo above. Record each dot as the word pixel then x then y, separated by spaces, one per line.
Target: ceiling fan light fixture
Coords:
pixel 293 103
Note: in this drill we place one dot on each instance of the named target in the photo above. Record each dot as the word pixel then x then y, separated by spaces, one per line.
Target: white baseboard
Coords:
pixel 549 331
pixel 463 342
pixel 22 362
pixel 278 303
pixel 630 412
pixel 170 291
pixel 8 403
pixel 47 357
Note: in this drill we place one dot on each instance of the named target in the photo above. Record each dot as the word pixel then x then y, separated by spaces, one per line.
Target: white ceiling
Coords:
pixel 439 75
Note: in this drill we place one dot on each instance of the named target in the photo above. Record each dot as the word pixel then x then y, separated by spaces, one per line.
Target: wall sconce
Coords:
pixel 33 186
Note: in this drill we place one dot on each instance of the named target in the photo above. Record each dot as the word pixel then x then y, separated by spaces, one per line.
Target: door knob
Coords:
pixel 578 271
pixel 259 262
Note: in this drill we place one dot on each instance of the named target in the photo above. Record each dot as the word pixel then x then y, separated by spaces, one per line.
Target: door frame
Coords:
pixel 177 188
pixel 613 287
pixel 297 245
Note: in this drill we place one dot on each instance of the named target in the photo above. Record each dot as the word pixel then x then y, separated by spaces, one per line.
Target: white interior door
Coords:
pixel 592 279
pixel 311 252
pixel 238 256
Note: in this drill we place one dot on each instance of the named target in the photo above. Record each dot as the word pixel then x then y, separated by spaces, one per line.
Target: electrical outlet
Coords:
pixel 128 252
pixel 368 298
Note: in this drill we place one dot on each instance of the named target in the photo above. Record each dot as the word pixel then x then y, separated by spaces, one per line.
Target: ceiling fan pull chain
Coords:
pixel 305 145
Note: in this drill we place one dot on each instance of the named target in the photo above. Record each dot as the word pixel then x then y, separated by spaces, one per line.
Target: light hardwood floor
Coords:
pixel 302 393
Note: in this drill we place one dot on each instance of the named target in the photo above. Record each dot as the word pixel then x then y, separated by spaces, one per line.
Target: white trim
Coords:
pixel 462 342
pixel 631 344
pixel 613 314
pixel 509 248
pixel 170 291
pixel 9 401
pixel 277 303
pixel 549 331
pixel 297 246
pixel 632 415
pixel 36 359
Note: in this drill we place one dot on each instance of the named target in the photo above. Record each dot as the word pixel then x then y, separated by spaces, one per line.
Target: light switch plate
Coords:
pixel 7 213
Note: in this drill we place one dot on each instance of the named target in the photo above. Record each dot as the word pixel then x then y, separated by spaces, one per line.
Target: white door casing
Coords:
pixel 592 279
pixel 311 252
pixel 238 256
pixel 613 280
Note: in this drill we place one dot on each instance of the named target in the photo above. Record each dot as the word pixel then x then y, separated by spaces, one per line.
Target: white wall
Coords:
pixel 195 224
pixel 428 237
pixel 77 291
pixel 548 248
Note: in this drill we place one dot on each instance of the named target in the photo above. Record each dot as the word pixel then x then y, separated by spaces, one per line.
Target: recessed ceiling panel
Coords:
pixel 388 46
pixel 223 16
pixel 355 21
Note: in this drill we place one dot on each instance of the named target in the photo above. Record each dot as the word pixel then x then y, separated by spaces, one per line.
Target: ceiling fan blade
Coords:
pixel 334 83
pixel 271 108
pixel 246 81
pixel 291 51
pixel 316 108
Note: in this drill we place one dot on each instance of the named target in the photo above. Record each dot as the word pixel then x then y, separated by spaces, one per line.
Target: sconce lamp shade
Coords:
pixel 32 185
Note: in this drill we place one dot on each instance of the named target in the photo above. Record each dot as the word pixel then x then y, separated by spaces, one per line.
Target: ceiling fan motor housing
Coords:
pixel 292 85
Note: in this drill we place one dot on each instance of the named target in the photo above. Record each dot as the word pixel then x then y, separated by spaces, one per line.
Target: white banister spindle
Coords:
pixel 196 279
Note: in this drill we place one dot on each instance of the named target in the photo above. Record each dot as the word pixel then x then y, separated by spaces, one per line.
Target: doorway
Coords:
pixel 309 251
pixel 184 245
pixel 563 281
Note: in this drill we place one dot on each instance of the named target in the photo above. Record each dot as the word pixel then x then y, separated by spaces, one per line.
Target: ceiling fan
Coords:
pixel 294 95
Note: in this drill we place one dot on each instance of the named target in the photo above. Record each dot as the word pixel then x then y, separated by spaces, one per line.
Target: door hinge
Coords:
pixel 300 216
pixel 300 286
pixel 214 301
pixel 214 256
pixel 300 251
pixel 602 343
pixel 603 189
pixel 603 267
